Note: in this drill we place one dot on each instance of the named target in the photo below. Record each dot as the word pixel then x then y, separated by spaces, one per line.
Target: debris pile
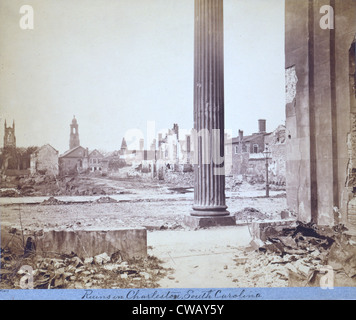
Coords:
pixel 233 183
pixel 52 201
pixel 165 226
pixel 251 214
pixel 309 251
pixel 181 190
pixel 9 192
pixel 179 179
pixel 106 200
pixel 73 272
pixel 79 185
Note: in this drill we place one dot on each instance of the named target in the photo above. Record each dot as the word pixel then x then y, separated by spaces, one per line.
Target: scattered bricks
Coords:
pixel 274 247
pixel 77 262
pixel 256 244
pixel 291 268
pixel 302 269
pixel 102 258
pixel 296 280
pixel 145 275
pixel 240 261
pixel 89 260
pixel 288 242
pixel 343 256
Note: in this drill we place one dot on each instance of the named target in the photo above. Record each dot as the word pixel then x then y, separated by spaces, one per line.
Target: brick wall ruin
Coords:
pixel 320 113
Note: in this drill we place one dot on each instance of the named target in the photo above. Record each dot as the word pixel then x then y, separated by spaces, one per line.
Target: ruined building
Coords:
pixel 96 160
pixel 247 154
pixel 9 136
pixel 44 160
pixel 14 161
pixel 321 110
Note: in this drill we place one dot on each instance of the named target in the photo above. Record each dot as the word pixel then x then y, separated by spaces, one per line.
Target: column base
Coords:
pixel 197 222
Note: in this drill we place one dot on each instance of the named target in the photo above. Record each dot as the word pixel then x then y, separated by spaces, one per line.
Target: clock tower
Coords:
pixel 74 134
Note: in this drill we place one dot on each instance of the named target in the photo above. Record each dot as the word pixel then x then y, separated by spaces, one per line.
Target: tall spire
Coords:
pixel 74 134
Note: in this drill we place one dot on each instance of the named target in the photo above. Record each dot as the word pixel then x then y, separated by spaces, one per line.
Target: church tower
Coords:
pixel 123 148
pixel 74 134
pixel 9 136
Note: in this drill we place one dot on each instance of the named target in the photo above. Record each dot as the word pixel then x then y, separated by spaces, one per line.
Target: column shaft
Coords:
pixel 209 191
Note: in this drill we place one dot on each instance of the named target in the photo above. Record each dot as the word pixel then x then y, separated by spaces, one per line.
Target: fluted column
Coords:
pixel 209 189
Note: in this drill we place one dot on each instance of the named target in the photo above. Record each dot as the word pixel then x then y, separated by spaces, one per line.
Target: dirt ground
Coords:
pixel 214 257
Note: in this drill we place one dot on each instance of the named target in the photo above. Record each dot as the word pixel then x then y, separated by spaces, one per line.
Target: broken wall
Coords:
pixel 318 108
pixel 45 160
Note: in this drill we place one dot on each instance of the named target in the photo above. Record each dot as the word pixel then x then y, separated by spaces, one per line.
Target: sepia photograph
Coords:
pixel 177 150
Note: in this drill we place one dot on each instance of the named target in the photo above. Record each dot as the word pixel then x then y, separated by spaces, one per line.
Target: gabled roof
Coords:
pixel 71 151
pixel 45 145
pixel 96 152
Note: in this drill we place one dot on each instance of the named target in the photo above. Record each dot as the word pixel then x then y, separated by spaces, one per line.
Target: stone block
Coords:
pixel 264 229
pixel 131 243
pixel 196 222
pixel 256 244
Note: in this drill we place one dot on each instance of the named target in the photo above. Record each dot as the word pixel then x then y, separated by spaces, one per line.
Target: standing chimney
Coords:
pixel 262 125
pixel 159 139
pixel 241 135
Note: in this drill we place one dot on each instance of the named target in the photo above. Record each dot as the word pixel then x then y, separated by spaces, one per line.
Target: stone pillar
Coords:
pixel 209 189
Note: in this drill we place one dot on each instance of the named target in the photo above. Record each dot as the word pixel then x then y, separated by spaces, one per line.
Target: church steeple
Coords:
pixel 9 135
pixel 74 134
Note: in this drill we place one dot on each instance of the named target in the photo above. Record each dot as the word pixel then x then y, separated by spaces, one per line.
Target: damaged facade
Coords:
pixel 321 111
pixel 14 161
pixel 45 161
pixel 74 161
pixel 247 154
pixel 96 161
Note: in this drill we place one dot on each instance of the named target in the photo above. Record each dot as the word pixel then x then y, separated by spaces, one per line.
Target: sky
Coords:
pixel 119 64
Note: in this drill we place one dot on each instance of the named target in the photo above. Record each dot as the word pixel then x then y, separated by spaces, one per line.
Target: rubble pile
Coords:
pixel 181 190
pixel 179 179
pixel 9 192
pixel 106 200
pixel 73 272
pixel 52 201
pixel 83 186
pixel 41 185
pixel 251 214
pixel 233 183
pixel 308 251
